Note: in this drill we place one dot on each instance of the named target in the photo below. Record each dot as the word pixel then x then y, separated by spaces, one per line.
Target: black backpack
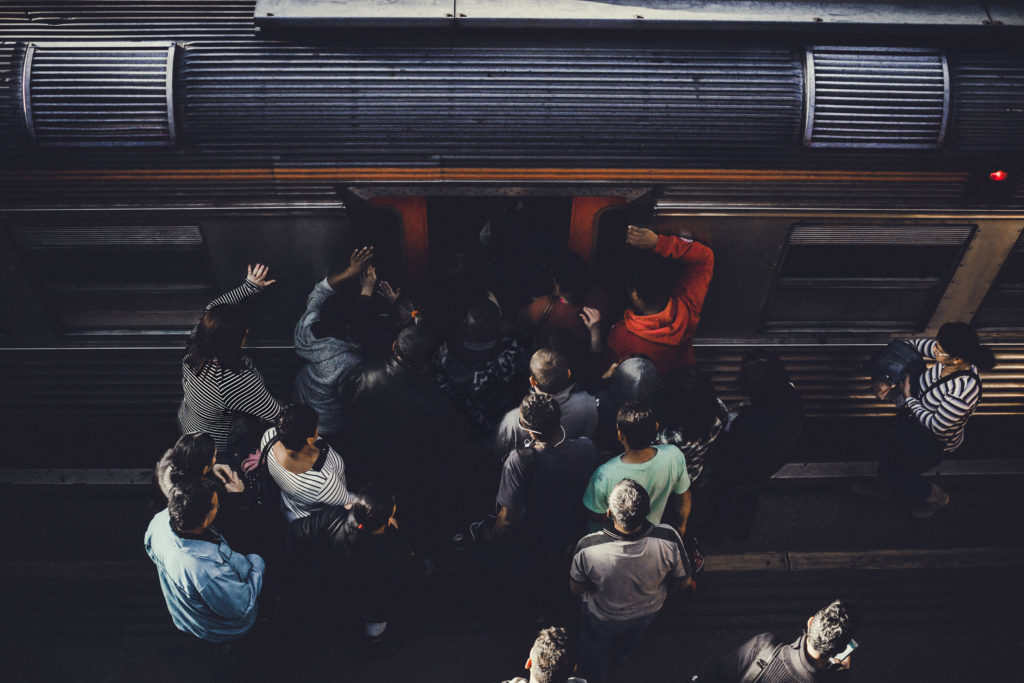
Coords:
pixel 896 360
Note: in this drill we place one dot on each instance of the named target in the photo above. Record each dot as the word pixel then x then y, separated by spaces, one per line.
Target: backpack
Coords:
pixel 765 656
pixel 893 362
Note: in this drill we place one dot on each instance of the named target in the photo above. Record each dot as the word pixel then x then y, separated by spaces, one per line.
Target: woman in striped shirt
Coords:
pixel 310 474
pixel 221 384
pixel 934 410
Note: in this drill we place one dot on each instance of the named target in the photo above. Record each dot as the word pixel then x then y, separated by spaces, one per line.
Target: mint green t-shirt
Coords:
pixel 662 475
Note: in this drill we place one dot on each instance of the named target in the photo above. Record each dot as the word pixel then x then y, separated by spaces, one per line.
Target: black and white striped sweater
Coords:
pixel 946 407
pixel 216 399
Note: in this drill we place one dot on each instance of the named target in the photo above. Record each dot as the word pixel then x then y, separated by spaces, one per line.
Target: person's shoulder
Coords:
pixel 607 468
pixel 160 523
pixel 592 540
pixel 669 449
pixel 580 443
pixel 333 461
pixel 666 532
pixel 268 436
pixel 514 461
pixel 671 453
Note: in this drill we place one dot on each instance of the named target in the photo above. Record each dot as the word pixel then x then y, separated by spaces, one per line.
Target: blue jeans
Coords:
pixel 601 642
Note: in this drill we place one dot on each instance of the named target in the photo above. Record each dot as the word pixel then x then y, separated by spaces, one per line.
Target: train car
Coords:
pixel 857 174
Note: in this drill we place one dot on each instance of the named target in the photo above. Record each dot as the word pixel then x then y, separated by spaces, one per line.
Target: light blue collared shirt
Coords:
pixel 210 589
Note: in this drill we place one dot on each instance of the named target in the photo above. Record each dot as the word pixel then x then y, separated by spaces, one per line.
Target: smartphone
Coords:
pixel 837 661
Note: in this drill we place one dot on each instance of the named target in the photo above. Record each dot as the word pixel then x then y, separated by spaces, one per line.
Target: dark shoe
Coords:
pixel 876 487
pixel 935 501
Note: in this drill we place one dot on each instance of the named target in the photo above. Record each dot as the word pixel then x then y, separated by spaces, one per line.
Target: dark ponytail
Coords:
pixel 372 508
pixel 985 359
pixel 960 340
pixel 190 455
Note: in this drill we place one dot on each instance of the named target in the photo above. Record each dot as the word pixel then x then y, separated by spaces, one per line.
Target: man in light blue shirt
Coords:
pixel 211 591
pixel 661 470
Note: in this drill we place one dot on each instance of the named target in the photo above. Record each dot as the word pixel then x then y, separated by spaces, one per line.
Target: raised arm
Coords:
pixel 692 285
pixel 255 282
pixel 925 346
pixel 357 263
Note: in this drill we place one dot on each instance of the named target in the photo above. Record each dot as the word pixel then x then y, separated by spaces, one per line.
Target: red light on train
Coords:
pixel 997 175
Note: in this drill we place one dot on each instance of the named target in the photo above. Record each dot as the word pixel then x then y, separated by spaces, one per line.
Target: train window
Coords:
pixel 876 97
pixel 108 278
pixel 1004 305
pixel 863 276
pixel 99 94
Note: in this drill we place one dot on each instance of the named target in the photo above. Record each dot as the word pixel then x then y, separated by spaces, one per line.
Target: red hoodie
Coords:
pixel 667 336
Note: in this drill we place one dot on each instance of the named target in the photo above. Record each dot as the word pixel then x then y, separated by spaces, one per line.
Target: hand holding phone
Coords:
pixel 842 660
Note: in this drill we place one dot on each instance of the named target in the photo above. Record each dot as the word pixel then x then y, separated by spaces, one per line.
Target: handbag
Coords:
pixel 258 481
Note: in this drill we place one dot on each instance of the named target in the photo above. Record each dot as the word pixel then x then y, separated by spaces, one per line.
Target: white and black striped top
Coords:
pixel 945 409
pixel 318 488
pixel 216 400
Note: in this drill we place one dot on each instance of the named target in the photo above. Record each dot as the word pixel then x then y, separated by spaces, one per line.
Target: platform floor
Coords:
pixel 942 597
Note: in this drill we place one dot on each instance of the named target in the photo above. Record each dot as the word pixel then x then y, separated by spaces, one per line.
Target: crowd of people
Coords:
pixel 594 452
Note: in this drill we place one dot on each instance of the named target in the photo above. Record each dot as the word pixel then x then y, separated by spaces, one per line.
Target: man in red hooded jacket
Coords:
pixel 661 325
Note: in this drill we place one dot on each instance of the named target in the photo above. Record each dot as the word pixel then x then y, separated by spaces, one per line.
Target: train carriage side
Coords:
pixel 849 184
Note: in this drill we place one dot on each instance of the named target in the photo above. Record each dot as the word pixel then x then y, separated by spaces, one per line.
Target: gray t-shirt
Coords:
pixel 544 488
pixel 628 574
pixel 579 418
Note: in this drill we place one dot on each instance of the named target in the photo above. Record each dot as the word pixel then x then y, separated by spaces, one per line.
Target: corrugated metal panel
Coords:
pixel 12 127
pixel 221 21
pixel 988 103
pixel 467 103
pixel 108 236
pixel 80 384
pixel 724 105
pixel 83 192
pixel 917 193
pixel 146 383
pixel 99 95
pixel 859 233
pixel 876 97
pixel 832 384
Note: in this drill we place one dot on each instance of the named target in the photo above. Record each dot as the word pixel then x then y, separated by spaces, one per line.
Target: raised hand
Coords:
pixel 641 238
pixel 387 292
pixel 368 281
pixel 258 275
pixel 591 317
pixel 359 259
